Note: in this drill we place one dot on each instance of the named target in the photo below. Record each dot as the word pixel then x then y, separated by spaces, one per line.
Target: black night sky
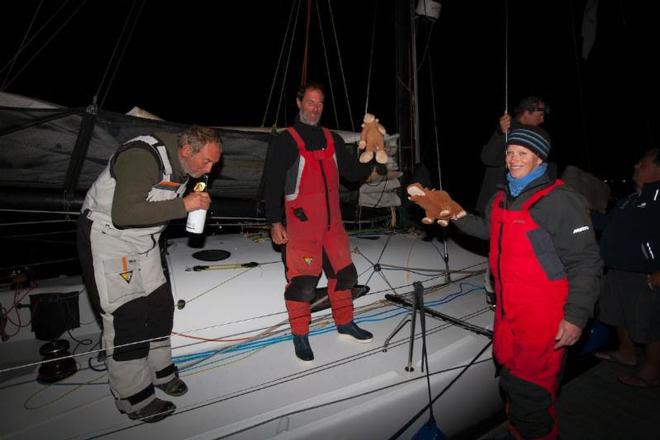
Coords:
pixel 213 63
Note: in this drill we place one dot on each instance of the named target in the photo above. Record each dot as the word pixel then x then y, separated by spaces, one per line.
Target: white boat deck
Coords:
pixel 247 383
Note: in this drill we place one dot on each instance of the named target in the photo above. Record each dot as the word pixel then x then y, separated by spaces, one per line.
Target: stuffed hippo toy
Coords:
pixel 372 140
pixel 437 205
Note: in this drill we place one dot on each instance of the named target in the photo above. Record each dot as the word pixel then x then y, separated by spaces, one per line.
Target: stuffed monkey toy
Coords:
pixel 372 140
pixel 437 205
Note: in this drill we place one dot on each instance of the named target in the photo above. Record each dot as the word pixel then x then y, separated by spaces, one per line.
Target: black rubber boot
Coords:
pixel 303 349
pixel 352 331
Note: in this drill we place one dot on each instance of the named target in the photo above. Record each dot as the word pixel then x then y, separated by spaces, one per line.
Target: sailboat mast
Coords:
pixel 414 107
pixel 403 84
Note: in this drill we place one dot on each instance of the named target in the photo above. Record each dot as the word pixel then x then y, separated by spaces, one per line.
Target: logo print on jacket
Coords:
pixel 126 274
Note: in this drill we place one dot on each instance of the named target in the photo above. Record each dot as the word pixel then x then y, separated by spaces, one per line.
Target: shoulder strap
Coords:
pixel 152 145
pixel 296 137
pixel 329 140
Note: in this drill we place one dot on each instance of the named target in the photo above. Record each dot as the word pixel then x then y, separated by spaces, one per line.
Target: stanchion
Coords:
pixel 411 317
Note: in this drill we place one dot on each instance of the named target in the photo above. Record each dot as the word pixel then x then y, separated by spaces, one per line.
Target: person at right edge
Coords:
pixel 630 299
pixel 303 166
pixel 546 266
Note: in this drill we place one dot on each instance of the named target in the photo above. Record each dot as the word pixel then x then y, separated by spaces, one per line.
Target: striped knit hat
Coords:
pixel 532 138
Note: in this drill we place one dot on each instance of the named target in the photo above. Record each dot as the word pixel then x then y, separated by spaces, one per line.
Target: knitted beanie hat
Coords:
pixel 535 139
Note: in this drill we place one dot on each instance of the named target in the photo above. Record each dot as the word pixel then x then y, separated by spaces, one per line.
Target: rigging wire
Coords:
pixel 247 269
pixel 435 126
pixel 52 37
pixel 40 222
pixel 263 333
pixel 445 253
pixel 443 326
pixel 425 357
pixel 341 64
pixel 371 58
pixel 426 46
pixel 24 45
pixel 424 272
pixel 332 402
pixel 12 62
pixel 303 67
pixel 287 64
pixel 40 263
pixel 506 62
pixel 323 325
pixel 292 377
pixel 277 67
pixel 290 30
pixel 327 67
pixel 40 211
pixel 303 76
pixel 116 65
pixel 585 137
pixel 93 351
pixel 415 85
pixel 451 382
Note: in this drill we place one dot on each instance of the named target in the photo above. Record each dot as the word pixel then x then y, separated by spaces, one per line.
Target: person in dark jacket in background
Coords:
pixel 303 168
pixel 530 111
pixel 546 266
pixel 630 299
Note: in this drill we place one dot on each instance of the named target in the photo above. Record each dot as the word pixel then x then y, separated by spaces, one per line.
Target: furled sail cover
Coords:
pixel 46 162
pixel 37 147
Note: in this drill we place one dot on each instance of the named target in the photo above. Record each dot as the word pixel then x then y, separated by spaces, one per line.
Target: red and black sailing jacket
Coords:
pixel 312 183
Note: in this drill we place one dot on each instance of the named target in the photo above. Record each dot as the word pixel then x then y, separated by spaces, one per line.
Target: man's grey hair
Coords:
pixel 197 137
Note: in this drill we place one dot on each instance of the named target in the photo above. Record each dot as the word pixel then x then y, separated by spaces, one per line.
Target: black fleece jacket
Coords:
pixel 631 240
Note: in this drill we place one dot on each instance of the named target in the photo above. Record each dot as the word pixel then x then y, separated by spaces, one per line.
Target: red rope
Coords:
pixel 5 318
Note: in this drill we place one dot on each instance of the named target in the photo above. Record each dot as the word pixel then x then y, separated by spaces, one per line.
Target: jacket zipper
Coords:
pixel 327 196
pixel 500 300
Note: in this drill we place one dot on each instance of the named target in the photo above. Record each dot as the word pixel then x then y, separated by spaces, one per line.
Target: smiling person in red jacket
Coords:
pixel 546 266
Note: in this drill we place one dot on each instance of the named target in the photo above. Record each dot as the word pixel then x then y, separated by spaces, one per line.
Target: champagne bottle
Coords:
pixel 197 218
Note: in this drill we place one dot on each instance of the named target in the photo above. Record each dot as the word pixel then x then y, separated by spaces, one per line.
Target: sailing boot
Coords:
pixel 302 347
pixel 175 387
pixel 154 412
pixel 353 332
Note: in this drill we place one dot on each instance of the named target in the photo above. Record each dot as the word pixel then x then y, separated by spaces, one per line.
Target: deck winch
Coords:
pixel 57 362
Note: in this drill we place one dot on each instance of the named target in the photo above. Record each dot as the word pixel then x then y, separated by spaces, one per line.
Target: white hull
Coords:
pixel 255 388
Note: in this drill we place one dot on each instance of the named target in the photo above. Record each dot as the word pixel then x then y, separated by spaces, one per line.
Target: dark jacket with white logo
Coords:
pixel 631 239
